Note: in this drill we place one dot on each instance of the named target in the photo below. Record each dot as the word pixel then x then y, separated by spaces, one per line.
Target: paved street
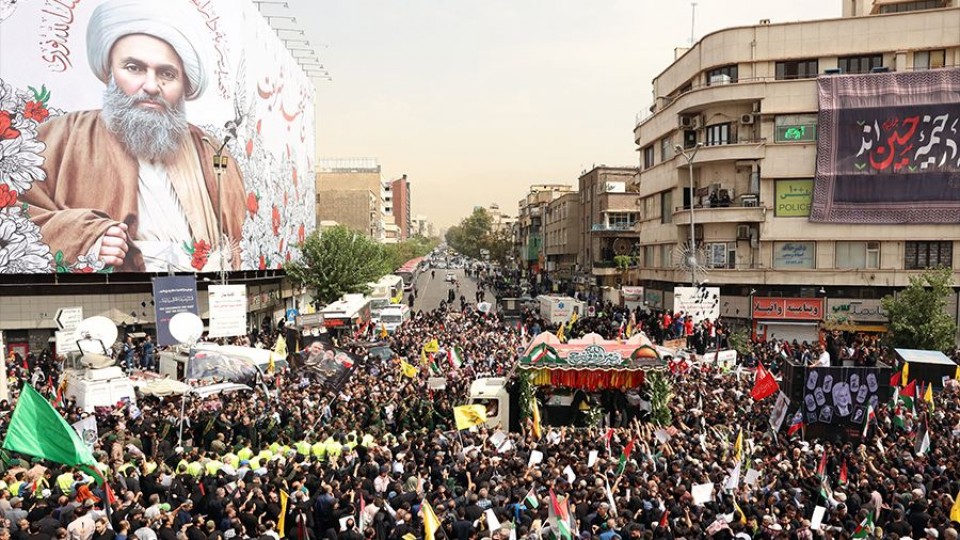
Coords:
pixel 431 291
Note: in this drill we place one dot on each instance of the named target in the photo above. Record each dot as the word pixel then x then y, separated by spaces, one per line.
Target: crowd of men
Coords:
pixel 359 462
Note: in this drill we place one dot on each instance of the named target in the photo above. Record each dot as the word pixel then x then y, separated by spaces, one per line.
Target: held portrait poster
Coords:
pixel 888 148
pixel 841 395
pixel 114 115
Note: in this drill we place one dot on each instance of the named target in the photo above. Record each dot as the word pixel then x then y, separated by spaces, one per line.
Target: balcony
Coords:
pixel 613 227
pixel 718 214
pixel 742 150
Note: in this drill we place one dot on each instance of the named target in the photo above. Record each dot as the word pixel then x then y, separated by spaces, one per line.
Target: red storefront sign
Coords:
pixel 792 309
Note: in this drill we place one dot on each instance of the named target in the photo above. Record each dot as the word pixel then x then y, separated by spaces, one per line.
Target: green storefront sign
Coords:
pixel 793 198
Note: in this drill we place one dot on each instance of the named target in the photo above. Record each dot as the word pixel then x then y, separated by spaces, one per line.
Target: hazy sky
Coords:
pixel 477 99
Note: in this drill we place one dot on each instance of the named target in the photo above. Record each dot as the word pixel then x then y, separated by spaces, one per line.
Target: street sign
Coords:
pixel 66 342
pixel 68 319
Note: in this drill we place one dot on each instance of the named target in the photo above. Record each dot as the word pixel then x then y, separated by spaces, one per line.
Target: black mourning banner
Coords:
pixel 220 366
pixel 326 363
pixel 841 395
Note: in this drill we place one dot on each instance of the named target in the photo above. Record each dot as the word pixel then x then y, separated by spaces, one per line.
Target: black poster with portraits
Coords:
pixel 321 360
pixel 841 395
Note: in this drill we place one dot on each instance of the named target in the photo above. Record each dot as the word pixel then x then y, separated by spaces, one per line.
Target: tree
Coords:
pixel 917 316
pixel 337 262
pixel 472 234
pixel 413 247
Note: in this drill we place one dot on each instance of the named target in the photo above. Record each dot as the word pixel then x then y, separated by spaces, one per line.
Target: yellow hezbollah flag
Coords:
pixel 928 395
pixel 432 346
pixel 430 521
pixel 560 334
pixel 282 522
pixel 736 507
pixel 905 374
pixel 383 330
pixel 955 511
pixel 738 447
pixel 280 350
pixel 407 369
pixel 468 416
pixel 535 413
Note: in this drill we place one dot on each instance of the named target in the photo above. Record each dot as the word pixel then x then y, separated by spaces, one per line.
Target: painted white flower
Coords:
pixel 21 248
pixel 88 263
pixel 20 163
pixel 8 99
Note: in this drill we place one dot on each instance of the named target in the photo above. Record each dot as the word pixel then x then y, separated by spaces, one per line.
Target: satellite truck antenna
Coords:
pixel 96 335
pixel 693 19
pixel 186 328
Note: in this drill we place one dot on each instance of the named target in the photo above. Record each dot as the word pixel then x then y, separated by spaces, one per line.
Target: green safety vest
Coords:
pixel 245 453
pixel 303 448
pixel 213 467
pixel 195 469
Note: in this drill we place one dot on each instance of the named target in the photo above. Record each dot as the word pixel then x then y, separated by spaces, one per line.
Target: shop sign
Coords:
pixel 795 309
pixel 857 310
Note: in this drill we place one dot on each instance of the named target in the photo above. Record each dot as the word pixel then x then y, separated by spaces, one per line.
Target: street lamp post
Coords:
pixel 219 164
pixel 693 239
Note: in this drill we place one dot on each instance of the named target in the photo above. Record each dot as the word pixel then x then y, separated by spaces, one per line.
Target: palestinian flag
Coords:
pixel 822 467
pixel 531 500
pixel 624 457
pixel 895 379
pixel 607 438
pixel 908 394
pixel 843 473
pixel 559 514
pixel 435 366
pixel 898 419
pixel 865 527
pixel 796 424
pixel 455 357
pixel 922 446
pixel 871 416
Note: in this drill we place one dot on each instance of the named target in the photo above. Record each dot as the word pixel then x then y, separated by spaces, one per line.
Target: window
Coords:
pixel 858 255
pixel 718 134
pixel 648 252
pixel 929 59
pixel 911 6
pixel 666 258
pixel 794 255
pixel 648 157
pixel 860 64
pixel 666 149
pixel 722 75
pixel 720 256
pixel 795 127
pixel 689 138
pixel 922 255
pixel 797 69
pixel 686 88
pixel 666 207
pixel 621 220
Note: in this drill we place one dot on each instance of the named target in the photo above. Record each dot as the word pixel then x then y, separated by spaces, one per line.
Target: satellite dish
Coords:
pixel 186 328
pixel 96 361
pixel 96 335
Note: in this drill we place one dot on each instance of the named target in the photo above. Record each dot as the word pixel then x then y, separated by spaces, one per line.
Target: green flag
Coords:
pixel 865 527
pixel 37 429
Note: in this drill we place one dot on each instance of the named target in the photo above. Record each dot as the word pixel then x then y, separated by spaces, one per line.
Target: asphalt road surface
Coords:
pixel 432 291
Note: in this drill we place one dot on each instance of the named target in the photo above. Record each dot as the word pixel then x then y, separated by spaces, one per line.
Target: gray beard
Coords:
pixel 148 134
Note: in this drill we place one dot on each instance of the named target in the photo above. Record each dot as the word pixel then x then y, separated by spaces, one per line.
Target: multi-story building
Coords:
pixel 744 105
pixel 609 214
pixel 401 206
pixel 530 224
pixel 421 226
pixel 350 192
pixel 498 220
pixel 561 231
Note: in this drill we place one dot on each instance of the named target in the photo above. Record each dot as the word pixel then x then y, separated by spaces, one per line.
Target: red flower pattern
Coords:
pixel 275 221
pixel 8 197
pixel 35 111
pixel 7 131
pixel 201 252
pixel 301 234
pixel 253 204
pixel 263 263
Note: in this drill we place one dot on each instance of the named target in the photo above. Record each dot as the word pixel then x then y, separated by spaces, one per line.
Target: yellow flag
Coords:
pixel 383 330
pixel 282 522
pixel 432 346
pixel 560 334
pixel 535 413
pixel 928 395
pixel 955 511
pixel 905 374
pixel 956 374
pixel 430 521
pixel 629 330
pixel 423 358
pixel 573 319
pixel 468 416
pixel 743 517
pixel 738 446
pixel 408 370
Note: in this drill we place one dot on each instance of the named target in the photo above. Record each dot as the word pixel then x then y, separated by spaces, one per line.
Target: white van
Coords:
pixel 393 316
pixel 103 387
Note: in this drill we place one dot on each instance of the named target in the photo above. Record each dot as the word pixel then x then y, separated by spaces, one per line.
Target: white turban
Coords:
pixel 115 19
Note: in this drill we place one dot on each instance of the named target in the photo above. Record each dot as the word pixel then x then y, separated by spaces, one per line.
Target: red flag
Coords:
pixel 796 424
pixel 765 385
pixel 843 472
pixel 895 379
pixel 822 467
pixel 910 390
pixel 663 519
pixel 607 437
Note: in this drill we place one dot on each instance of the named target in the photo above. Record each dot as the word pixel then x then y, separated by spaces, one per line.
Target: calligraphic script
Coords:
pixel 594 355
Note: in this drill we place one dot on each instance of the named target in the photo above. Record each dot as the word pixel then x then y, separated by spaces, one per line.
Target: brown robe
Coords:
pixel 92 184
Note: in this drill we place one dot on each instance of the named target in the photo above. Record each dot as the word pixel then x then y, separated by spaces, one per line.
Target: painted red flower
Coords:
pixel 301 234
pixel 285 198
pixel 249 147
pixel 7 131
pixel 8 197
pixel 35 111
pixel 201 252
pixel 276 221
pixel 253 203
pixel 263 263
pixel 295 178
pixel 280 249
pixel 259 125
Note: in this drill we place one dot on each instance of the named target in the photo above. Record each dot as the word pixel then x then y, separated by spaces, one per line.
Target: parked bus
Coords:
pixel 387 291
pixel 409 272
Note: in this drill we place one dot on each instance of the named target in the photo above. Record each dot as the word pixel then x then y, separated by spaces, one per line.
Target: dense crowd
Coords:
pixel 358 462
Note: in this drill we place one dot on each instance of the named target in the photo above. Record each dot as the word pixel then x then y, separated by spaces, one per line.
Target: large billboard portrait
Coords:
pixel 150 136
pixel 888 148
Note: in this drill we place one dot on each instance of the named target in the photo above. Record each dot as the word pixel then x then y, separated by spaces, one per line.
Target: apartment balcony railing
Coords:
pixel 613 227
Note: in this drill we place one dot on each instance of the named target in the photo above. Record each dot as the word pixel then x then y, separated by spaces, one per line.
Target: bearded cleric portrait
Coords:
pixel 133 184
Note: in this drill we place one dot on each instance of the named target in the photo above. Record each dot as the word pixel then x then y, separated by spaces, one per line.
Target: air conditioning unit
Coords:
pixel 747 119
pixel 697 122
pixel 833 71
pixel 698 232
pixel 687 122
pixel 743 232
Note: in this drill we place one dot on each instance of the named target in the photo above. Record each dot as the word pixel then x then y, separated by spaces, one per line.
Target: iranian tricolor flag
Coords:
pixel 539 353
pixel 865 527
pixel 871 416
pixel 455 357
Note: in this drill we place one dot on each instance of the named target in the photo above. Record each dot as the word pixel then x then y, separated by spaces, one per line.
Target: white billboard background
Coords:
pixel 701 302
pixel 43 49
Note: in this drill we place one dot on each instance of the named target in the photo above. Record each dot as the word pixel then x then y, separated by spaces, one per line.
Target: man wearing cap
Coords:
pixel 133 184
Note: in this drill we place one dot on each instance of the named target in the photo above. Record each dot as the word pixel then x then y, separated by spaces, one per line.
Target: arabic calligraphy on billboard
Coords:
pixel 146 136
pixel 798 309
pixel 885 160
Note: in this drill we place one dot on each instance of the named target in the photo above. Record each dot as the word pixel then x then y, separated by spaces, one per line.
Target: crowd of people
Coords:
pixel 297 459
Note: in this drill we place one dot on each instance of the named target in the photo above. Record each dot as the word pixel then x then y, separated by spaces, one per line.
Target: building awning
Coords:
pixel 877 4
pixel 787 323
pixel 854 327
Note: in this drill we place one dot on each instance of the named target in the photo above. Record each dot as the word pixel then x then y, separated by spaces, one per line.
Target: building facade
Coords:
pixel 529 229
pixel 609 214
pixel 562 237
pixel 738 113
pixel 401 206
pixel 350 192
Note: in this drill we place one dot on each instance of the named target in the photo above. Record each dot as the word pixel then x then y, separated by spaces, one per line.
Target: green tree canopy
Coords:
pixel 917 316
pixel 413 247
pixel 475 233
pixel 337 262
